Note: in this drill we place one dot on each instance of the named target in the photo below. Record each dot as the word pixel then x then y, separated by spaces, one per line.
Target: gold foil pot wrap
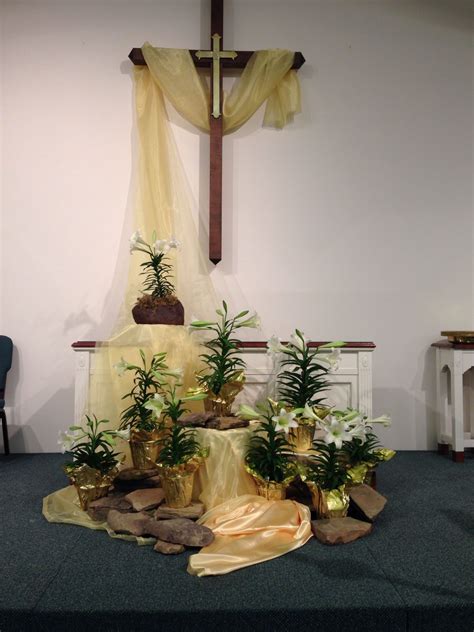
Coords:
pixel 329 503
pixel 221 404
pixel 177 482
pixel 270 490
pixel 321 411
pixel 90 483
pixel 357 473
pixel 384 454
pixel 145 448
pixel 302 437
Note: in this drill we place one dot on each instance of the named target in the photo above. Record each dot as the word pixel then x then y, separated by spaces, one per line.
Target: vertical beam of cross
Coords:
pixel 219 59
pixel 215 173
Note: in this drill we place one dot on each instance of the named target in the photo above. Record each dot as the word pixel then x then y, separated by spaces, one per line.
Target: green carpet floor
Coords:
pixel 415 572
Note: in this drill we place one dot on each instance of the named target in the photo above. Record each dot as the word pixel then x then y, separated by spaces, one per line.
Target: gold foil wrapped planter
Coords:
pixel 364 472
pixel 301 437
pixel 329 503
pixel 271 490
pixel 177 482
pixel 145 448
pixel 90 483
pixel 221 404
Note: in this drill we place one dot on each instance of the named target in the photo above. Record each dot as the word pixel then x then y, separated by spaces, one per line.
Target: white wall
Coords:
pixel 355 222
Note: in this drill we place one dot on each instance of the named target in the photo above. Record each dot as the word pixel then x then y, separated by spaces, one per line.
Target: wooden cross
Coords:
pixel 220 60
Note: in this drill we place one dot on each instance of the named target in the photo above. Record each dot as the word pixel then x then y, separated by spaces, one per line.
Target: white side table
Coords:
pixel 454 397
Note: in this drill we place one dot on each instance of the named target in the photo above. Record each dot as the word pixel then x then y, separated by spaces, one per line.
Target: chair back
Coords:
pixel 6 352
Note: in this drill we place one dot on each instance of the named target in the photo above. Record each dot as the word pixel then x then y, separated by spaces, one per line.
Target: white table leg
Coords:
pixel 458 409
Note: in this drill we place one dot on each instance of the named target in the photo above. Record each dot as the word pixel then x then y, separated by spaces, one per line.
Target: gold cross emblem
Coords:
pixel 216 55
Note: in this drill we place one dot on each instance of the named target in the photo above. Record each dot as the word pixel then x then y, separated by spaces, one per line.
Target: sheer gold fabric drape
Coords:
pixel 164 202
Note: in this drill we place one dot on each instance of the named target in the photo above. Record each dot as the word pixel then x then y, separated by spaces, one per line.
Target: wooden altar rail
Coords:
pixel 350 381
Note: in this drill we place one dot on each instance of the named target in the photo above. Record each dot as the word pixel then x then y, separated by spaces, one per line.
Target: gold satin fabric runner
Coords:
pixel 249 530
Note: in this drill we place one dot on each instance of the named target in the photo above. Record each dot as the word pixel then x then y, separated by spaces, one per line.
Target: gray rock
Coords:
pixel 132 523
pixel 180 531
pixel 192 512
pixel 167 548
pixel 339 530
pixel 367 501
pixel 143 499
pixel 227 423
pixel 99 509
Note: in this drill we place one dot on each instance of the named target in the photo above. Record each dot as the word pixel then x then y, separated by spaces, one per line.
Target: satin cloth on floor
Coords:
pixel 249 530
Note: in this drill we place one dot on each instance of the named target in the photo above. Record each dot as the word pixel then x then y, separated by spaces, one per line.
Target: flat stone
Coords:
pixel 192 512
pixel 99 509
pixel 133 474
pixel 132 523
pixel 366 500
pixel 167 548
pixel 180 531
pixel 142 483
pixel 196 420
pixel 339 530
pixel 142 499
pixel 227 423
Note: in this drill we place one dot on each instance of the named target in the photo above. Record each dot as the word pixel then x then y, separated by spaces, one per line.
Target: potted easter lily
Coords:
pixel 94 462
pixel 223 377
pixel 363 453
pixel 158 305
pixel 270 458
pixel 180 455
pixel 301 381
pixel 145 428
pixel 326 474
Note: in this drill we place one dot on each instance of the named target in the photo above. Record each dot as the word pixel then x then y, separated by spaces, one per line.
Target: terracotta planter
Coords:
pixel 164 314
pixel 90 483
pixel 145 449
pixel 329 503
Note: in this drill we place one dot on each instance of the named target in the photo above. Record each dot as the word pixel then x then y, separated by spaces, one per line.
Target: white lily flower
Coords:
pixel 176 373
pixel 274 345
pixel 67 439
pixel 253 322
pixel 156 404
pixel 136 239
pixel 284 421
pixel 174 243
pixel 385 420
pixel 299 343
pixel 332 358
pixel 123 434
pixel 308 413
pixel 336 431
pixel 121 366
pixel 247 412
pixel 161 246
pixel 358 431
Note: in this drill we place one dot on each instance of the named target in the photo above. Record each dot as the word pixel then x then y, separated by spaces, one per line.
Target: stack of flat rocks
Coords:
pixel 212 421
pixel 137 507
pixel 365 506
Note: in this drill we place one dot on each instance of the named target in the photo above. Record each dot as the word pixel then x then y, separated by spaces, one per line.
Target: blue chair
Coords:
pixel 6 352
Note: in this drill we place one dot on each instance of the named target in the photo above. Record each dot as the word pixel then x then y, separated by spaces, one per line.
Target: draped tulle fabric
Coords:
pixel 249 530
pixel 222 475
pixel 266 77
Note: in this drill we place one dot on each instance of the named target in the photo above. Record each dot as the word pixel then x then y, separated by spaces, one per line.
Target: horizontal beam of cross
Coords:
pixel 136 56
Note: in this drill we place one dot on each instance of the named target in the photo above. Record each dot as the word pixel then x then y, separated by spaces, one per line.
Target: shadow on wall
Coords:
pixel 403 405
pixel 42 427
